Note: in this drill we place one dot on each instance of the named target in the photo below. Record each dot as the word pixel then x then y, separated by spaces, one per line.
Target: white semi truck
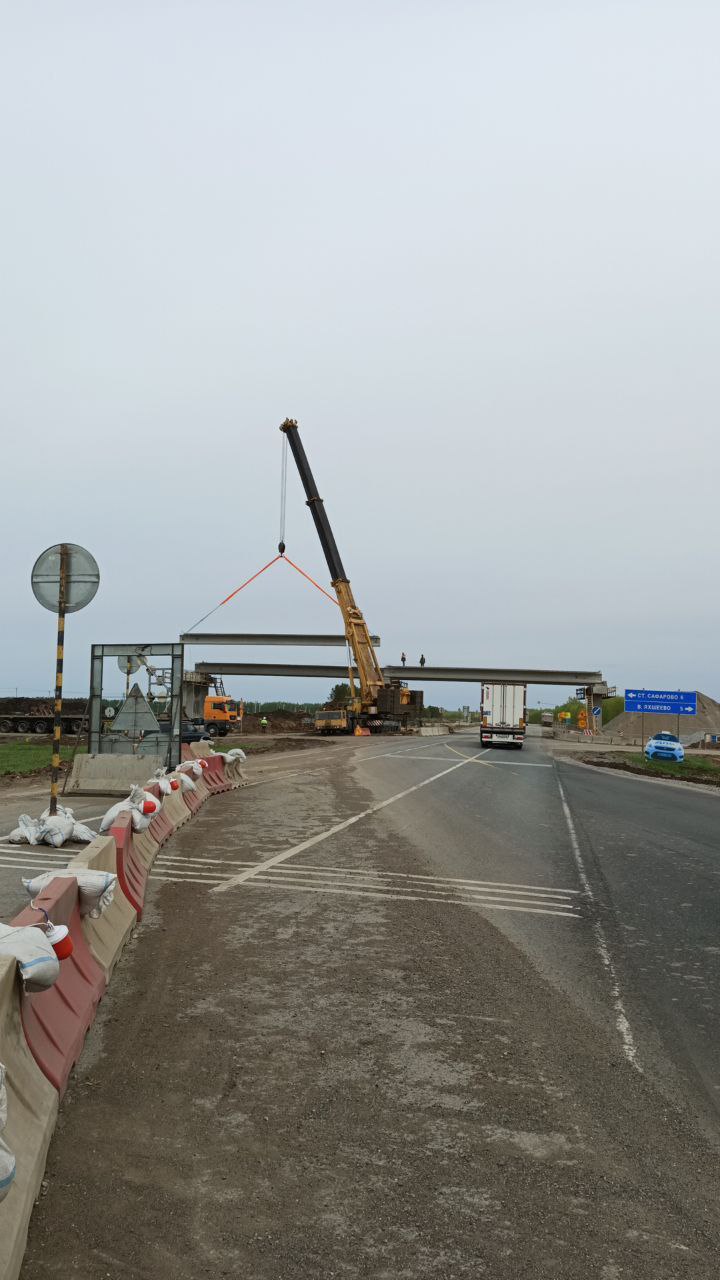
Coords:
pixel 503 714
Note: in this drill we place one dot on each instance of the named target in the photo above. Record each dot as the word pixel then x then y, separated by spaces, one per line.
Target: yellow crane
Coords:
pixel 374 702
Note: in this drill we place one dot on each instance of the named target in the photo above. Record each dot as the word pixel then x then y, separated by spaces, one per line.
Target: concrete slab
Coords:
pixel 110 774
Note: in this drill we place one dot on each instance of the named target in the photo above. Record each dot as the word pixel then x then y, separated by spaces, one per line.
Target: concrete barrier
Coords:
pixel 132 868
pixel 56 1021
pixel 215 776
pixel 32 1111
pixel 176 808
pixel 432 731
pixel 194 800
pixel 192 751
pixel 162 826
pixel 110 775
pixel 107 935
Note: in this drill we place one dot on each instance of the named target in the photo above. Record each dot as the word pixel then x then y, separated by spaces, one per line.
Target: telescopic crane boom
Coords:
pixel 358 637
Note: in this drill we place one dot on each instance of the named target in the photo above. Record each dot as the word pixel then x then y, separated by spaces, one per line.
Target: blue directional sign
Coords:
pixel 597 711
pixel 661 702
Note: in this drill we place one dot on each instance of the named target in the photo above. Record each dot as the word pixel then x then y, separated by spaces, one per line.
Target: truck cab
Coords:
pixel 220 714
pixel 334 720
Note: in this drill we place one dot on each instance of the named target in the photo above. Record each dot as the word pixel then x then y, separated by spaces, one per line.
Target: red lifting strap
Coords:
pixel 245 584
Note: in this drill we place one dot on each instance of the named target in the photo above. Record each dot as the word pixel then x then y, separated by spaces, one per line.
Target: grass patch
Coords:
pixel 22 758
pixel 706 765
pixel 693 768
pixel 611 707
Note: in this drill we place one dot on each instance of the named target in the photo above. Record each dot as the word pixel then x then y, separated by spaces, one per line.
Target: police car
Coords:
pixel 664 746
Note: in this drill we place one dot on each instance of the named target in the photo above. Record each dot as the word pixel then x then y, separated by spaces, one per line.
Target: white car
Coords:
pixel 665 746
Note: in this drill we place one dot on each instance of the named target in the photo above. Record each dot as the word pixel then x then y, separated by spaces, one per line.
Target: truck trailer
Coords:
pixel 503 715
pixel 36 715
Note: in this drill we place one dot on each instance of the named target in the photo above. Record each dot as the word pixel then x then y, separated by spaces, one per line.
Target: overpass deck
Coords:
pixel 464 675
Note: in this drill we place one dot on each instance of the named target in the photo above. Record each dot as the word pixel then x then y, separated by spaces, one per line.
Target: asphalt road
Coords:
pixel 407 1010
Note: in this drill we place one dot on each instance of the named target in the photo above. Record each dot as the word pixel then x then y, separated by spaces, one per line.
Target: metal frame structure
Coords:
pixel 99 653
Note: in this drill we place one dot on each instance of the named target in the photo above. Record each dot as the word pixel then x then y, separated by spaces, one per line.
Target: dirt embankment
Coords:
pixel 630 726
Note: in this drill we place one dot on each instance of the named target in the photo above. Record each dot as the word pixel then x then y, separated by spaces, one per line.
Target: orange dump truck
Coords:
pixel 220 714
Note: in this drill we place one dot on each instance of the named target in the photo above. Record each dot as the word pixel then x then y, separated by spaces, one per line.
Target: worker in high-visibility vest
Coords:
pixel 264 724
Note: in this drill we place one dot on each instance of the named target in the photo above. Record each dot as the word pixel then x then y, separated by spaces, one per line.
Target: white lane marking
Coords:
pixel 379 894
pixel 399 751
pixel 399 755
pixel 166 879
pixel 340 826
pixel 523 764
pixel 416 897
pixel 621 1019
pixel 36 850
pixel 399 891
pixel 184 857
pixel 504 888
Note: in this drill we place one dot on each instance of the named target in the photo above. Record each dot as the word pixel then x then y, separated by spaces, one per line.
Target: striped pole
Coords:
pixel 57 727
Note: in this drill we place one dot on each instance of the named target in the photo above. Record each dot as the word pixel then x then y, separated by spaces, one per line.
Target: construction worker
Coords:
pixel 403 658
pixel 264 724
pixel 422 659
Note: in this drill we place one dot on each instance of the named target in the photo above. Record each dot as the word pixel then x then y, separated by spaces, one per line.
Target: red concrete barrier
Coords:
pixel 56 1021
pixel 193 799
pixel 162 827
pixel 214 775
pixel 131 871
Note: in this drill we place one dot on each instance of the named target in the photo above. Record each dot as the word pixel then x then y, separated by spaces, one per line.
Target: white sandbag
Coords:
pixel 83 834
pixel 186 782
pixel 96 888
pixel 27 831
pixel 7 1159
pixel 54 830
pixel 7 1169
pixel 229 756
pixel 3 1098
pixel 80 832
pixel 166 785
pixel 39 966
pixel 142 806
pixel 193 767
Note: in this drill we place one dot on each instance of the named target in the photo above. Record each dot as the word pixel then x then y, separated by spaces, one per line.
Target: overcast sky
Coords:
pixel 472 247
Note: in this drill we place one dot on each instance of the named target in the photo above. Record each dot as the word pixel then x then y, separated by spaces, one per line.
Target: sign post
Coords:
pixel 64 579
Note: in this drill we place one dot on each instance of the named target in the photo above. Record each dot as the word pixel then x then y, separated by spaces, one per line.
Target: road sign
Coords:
pixel 597 711
pixel 661 702
pixel 64 579
pixel 66 571
pixel 580 693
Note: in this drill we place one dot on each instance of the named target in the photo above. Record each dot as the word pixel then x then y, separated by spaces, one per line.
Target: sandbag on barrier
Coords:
pixel 106 936
pixel 56 1021
pixel 214 776
pixel 178 812
pixel 194 799
pixel 32 1110
pixel 202 788
pixel 162 825
pixel 132 872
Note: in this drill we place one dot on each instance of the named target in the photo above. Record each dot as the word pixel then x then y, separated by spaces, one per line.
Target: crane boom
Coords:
pixel 356 631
